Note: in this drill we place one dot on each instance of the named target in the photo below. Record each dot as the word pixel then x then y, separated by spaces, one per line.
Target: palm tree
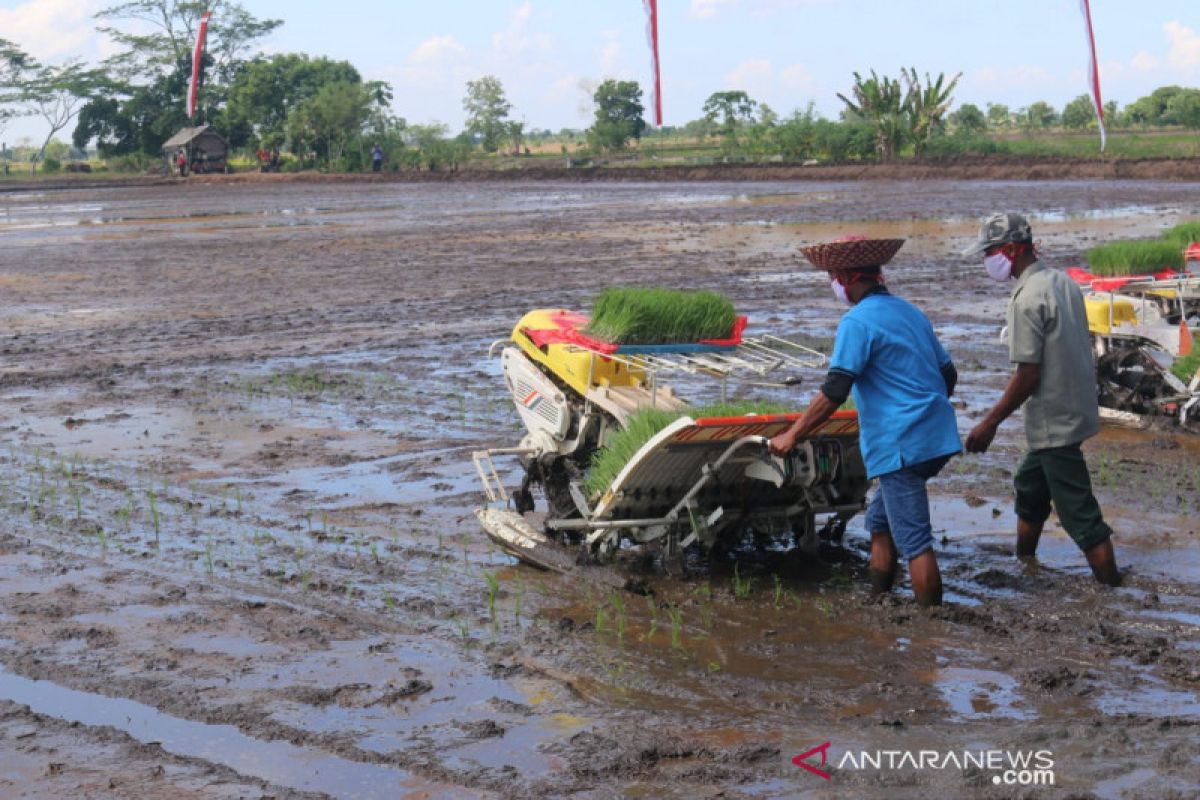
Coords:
pixel 880 102
pixel 926 105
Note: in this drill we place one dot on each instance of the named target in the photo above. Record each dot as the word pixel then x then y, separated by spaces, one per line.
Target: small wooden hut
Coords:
pixel 205 149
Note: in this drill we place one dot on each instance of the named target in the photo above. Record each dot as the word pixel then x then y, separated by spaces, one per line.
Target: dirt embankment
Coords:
pixel 1014 168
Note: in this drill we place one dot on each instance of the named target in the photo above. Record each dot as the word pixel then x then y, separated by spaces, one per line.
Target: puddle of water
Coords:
pixel 278 762
pixel 237 646
pixel 980 693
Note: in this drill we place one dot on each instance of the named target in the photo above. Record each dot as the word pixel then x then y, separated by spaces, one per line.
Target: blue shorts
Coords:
pixel 901 507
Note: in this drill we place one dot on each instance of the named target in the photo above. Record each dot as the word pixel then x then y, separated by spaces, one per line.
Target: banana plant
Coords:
pixel 880 102
pixel 926 105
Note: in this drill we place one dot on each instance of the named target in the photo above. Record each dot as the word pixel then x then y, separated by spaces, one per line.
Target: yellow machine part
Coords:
pixel 578 368
pixel 1123 313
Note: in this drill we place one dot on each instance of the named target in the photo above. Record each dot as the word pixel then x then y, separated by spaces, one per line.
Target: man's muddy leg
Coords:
pixel 882 569
pixel 1028 536
pixel 926 579
pixel 1103 561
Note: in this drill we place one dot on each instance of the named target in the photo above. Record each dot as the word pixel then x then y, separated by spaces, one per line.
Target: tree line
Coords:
pixel 325 114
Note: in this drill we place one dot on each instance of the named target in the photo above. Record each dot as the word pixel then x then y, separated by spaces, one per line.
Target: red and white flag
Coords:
pixel 1093 72
pixel 652 37
pixel 194 88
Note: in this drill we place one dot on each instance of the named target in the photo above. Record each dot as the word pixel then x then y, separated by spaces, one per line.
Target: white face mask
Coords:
pixel 839 291
pixel 998 266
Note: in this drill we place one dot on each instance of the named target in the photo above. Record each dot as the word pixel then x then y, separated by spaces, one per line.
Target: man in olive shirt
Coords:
pixel 1055 380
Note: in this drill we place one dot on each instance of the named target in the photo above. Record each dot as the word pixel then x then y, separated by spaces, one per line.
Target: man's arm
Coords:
pixel 821 409
pixel 950 376
pixel 1020 386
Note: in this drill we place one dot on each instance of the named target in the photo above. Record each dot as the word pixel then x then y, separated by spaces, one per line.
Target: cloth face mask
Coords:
pixel 998 266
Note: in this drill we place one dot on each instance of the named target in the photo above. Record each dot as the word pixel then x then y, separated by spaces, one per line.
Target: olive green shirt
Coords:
pixel 1047 325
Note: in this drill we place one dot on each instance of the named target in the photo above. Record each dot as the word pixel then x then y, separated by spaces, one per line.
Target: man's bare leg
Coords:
pixel 882 569
pixel 926 579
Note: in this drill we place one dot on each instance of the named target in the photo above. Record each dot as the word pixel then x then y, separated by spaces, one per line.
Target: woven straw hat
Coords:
pixel 852 252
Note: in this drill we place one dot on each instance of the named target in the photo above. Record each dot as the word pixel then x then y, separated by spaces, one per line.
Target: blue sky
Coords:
pixel 786 53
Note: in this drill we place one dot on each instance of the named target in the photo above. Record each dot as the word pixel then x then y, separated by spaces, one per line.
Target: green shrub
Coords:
pixel 51 165
pixel 608 461
pixel 1142 257
pixel 1185 366
pixel 660 316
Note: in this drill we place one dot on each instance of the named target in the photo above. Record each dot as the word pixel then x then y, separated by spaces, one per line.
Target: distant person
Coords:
pixel 1055 380
pixel 181 162
pixel 887 354
pixel 275 159
pixel 376 158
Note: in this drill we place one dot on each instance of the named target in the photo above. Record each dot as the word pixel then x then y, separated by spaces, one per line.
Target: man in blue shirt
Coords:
pixel 887 354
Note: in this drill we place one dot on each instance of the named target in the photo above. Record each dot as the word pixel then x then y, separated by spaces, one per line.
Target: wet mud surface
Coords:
pixel 238 556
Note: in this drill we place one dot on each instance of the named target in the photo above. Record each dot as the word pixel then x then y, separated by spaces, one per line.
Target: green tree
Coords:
pixel 969 119
pixel 156 35
pixel 333 120
pixel 1038 116
pixel 728 111
pixel 1152 109
pixel 879 102
pixel 266 90
pixel 14 62
pixel 1078 113
pixel 56 94
pixel 998 115
pixel 487 112
pixel 619 113
pixel 125 120
pixel 1184 109
pixel 926 105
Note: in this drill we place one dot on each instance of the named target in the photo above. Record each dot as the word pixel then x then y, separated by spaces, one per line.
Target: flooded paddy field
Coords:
pixel 238 556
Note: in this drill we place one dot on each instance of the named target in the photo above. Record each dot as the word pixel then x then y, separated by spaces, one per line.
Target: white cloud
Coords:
pixel 51 30
pixel 753 77
pixel 612 58
pixel 516 38
pixel 437 50
pixel 797 78
pixel 1145 62
pixel 708 9
pixel 1184 44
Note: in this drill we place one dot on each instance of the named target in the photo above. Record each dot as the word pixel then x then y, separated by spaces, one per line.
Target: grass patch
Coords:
pixel 1185 366
pixel 660 316
pixel 608 461
pixel 1141 257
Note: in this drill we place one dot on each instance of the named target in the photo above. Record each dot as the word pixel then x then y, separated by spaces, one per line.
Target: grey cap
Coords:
pixel 1000 228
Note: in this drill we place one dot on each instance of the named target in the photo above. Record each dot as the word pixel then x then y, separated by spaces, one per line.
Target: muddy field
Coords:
pixel 238 556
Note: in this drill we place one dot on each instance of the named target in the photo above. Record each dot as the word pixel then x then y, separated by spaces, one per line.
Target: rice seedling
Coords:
pixel 601 618
pixel 1183 234
pixel 741 586
pixel 617 602
pixel 375 552
pixel 389 603
pixel 1139 257
pixel 154 516
pixel 778 594
pixel 652 608
pixel 102 537
pixel 1185 367
pixel 493 589
pixel 306 580
pixel 643 425
pixel 208 555
pixel 519 601
pixel 714 667
pixel 676 616
pixel 660 316
pixel 825 606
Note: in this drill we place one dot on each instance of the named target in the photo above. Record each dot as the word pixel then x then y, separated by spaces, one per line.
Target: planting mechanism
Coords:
pixel 698 483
